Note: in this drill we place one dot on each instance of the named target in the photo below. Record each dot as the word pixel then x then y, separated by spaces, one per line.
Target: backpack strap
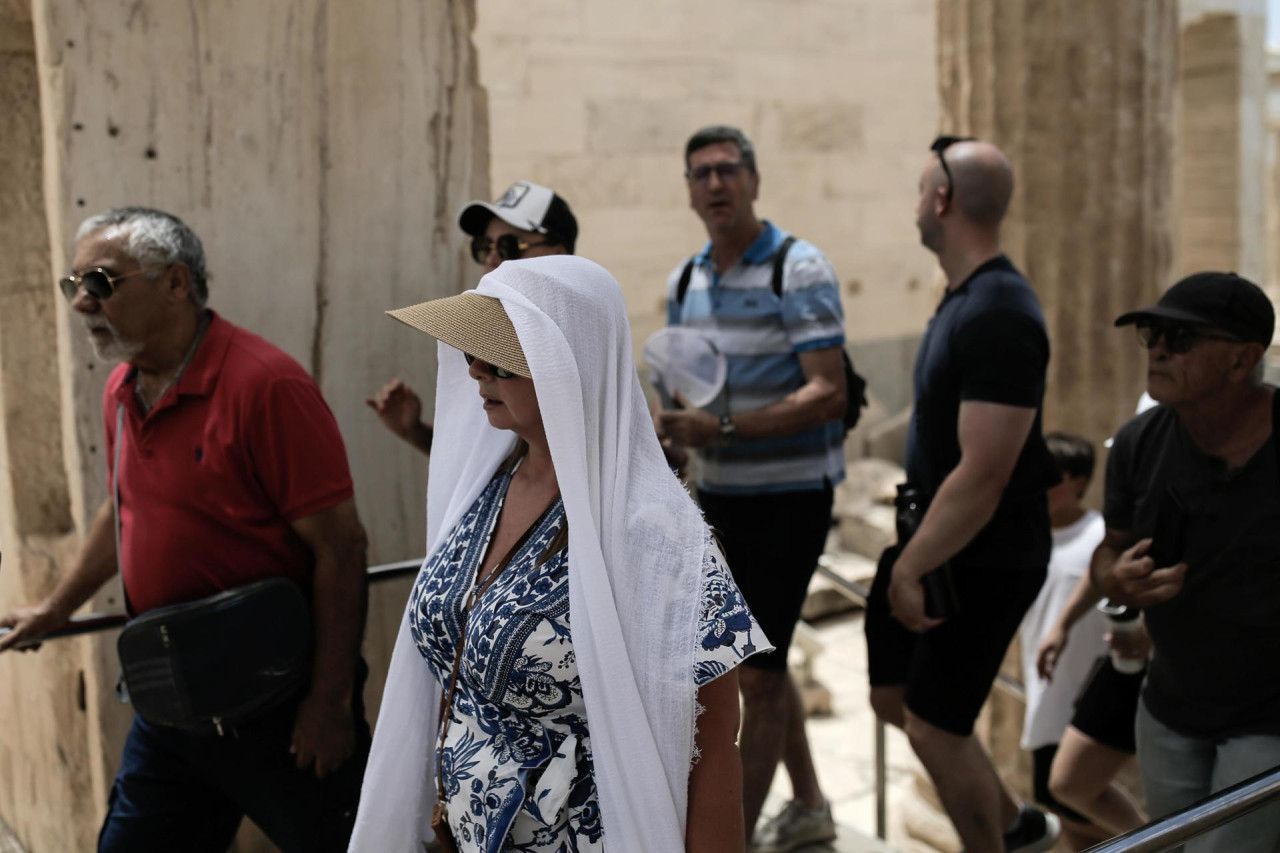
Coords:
pixel 683 286
pixel 779 262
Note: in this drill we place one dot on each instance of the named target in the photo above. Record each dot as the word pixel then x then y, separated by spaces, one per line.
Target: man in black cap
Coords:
pixel 527 221
pixel 1193 537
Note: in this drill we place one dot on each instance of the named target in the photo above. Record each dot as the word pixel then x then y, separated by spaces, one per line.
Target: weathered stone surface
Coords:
pixel 321 152
pixel 599 104
pixel 1222 138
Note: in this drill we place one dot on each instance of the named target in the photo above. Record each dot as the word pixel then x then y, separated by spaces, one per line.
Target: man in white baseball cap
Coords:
pixel 527 221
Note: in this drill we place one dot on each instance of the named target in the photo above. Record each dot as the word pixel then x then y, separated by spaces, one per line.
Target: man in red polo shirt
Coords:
pixel 231 470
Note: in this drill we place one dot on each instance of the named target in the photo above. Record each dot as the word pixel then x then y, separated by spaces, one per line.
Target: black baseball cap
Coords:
pixel 1222 300
pixel 527 206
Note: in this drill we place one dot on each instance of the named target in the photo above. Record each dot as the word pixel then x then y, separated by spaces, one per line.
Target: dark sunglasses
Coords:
pixel 724 171
pixel 498 372
pixel 509 246
pixel 942 143
pixel 98 283
pixel 1179 338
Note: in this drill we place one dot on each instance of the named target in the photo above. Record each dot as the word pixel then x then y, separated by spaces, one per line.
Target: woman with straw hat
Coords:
pixel 564 675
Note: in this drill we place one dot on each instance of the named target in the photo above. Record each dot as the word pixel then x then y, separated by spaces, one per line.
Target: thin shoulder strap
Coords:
pixel 780 262
pixel 115 485
pixel 683 286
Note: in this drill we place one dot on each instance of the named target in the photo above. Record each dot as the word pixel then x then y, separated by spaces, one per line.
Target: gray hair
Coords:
pixel 155 237
pixel 721 133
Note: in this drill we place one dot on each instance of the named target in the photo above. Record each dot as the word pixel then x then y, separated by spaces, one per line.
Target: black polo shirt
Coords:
pixel 987 342
pixel 1216 668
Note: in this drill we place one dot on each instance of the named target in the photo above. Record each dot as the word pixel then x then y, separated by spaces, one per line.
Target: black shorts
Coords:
pixel 1108 706
pixel 948 671
pixel 772 543
pixel 1041 764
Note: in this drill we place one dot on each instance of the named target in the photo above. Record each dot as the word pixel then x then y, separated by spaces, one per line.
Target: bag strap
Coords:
pixel 682 287
pixel 779 262
pixel 446 702
pixel 115 483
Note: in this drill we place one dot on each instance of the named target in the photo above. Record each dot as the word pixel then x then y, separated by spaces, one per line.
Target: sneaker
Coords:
pixel 1034 831
pixel 795 826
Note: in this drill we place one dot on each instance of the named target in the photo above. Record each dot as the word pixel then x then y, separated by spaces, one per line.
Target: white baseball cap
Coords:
pixel 527 206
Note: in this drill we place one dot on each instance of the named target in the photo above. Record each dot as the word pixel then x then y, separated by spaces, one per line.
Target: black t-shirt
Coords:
pixel 1216 668
pixel 987 342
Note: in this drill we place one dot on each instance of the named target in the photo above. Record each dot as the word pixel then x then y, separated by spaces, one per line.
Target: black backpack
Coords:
pixel 855 393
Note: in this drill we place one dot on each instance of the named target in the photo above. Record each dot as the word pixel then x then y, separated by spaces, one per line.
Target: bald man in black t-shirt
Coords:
pixel 976 454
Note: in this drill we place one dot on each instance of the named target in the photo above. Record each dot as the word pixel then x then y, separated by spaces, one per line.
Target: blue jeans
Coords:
pixel 182 792
pixel 1178 770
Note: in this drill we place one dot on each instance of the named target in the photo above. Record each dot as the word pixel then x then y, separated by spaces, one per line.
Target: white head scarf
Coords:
pixel 636 547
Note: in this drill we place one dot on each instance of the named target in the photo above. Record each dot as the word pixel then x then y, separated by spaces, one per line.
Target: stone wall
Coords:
pixel 1222 137
pixel 320 151
pixel 596 100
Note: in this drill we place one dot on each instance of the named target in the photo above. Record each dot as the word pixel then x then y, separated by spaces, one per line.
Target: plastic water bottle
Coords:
pixel 1124 620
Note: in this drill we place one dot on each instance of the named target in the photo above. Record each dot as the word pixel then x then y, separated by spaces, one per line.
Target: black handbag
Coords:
pixel 208 666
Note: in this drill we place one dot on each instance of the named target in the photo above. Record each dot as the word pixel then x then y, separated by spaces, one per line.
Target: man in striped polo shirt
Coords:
pixel 770 447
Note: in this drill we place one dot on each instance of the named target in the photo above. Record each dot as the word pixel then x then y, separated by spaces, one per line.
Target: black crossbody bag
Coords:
pixel 206 667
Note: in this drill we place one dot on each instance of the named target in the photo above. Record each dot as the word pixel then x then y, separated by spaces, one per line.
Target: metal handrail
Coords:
pixel 1211 812
pixel 91 623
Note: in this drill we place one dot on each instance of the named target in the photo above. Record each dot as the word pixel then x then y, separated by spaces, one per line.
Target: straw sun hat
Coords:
pixel 475 324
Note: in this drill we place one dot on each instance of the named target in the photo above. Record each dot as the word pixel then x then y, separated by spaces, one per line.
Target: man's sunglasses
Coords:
pixel 1179 338
pixel 498 372
pixel 724 171
pixel 98 283
pixel 942 143
pixel 509 246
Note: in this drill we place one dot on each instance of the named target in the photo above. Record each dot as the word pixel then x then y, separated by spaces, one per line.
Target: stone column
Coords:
pixel 1080 95
pixel 1220 173
pixel 1273 177
pixel 321 151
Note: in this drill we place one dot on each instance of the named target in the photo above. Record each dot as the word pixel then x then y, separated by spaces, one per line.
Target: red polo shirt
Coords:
pixel 212 477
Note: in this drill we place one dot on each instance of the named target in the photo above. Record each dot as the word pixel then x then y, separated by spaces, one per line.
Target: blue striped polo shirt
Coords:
pixel 762 337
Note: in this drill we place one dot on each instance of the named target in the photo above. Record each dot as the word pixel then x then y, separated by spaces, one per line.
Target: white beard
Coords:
pixel 115 348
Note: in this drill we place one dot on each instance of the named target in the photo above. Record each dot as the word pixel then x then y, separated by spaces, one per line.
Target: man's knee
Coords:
pixel 887 704
pixel 927 740
pixel 762 687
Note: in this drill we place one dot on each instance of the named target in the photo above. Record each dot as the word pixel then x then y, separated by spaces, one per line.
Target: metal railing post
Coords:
pixel 882 782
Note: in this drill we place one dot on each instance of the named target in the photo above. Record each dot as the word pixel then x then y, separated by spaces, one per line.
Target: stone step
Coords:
pixel 849 840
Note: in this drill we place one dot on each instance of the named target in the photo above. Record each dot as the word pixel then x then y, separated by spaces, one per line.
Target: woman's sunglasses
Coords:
pixel 1179 338
pixel 498 372
pixel 509 246
pixel 98 283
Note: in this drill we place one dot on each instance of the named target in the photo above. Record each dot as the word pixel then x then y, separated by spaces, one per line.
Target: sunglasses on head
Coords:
pixel 97 282
pixel 509 247
pixel 1179 338
pixel 724 171
pixel 942 143
pixel 498 372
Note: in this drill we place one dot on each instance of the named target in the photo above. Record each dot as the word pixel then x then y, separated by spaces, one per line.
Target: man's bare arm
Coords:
pixel 94 566
pixel 991 437
pixel 819 400
pixel 324 731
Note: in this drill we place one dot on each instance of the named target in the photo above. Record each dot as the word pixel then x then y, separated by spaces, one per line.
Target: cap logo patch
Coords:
pixel 514 195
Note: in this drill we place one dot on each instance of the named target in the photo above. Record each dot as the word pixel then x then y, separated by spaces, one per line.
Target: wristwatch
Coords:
pixel 728 430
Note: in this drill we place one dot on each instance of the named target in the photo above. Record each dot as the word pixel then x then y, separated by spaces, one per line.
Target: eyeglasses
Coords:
pixel 97 282
pixel 498 372
pixel 942 143
pixel 509 246
pixel 1179 338
pixel 726 172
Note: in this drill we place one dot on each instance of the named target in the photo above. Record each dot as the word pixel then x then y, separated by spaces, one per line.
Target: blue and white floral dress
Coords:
pixel 517 766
